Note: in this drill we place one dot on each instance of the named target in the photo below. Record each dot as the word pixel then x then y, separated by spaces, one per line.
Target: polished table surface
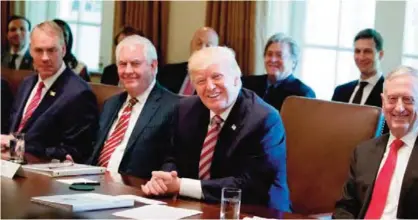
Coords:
pixel 16 194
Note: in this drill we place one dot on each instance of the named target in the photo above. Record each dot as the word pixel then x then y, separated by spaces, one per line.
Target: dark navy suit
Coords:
pixel 110 75
pixel 6 105
pixel 64 122
pixel 250 153
pixel 276 94
pixel 172 76
pixel 149 140
pixel 25 64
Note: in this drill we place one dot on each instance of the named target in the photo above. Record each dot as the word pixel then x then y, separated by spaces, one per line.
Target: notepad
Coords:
pixel 157 212
pixel 83 201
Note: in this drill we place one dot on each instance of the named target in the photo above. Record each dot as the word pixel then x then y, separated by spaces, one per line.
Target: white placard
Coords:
pixel 157 212
pixel 9 169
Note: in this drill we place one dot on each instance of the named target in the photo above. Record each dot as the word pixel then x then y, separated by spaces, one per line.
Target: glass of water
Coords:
pixel 17 148
pixel 230 203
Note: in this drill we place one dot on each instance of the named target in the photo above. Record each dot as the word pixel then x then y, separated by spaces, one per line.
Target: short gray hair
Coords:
pixel 52 29
pixel 205 57
pixel 400 71
pixel 284 39
pixel 150 53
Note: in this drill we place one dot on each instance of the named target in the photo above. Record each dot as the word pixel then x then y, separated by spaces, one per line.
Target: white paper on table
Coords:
pixel 256 218
pixel 142 199
pixel 75 180
pixel 157 212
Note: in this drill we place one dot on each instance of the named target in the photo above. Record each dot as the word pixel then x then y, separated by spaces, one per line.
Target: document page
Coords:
pixel 157 212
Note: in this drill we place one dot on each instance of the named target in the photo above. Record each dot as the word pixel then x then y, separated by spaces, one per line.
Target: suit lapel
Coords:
pixel 22 102
pixel 374 158
pixel 374 97
pixel 148 111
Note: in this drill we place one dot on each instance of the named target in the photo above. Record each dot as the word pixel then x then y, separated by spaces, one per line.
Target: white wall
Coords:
pixel 184 19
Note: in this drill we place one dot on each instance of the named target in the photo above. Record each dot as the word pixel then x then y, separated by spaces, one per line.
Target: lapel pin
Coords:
pixel 52 93
pixel 233 127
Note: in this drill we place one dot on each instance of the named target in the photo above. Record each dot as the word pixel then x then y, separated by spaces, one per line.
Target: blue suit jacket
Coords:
pixel 250 153
pixel 149 140
pixel 64 122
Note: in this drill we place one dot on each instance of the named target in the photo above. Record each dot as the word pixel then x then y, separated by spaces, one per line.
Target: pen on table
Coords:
pixel 87 183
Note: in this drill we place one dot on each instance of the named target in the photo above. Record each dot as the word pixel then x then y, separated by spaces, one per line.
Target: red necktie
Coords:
pixel 32 105
pixel 117 135
pixel 187 88
pixel 208 148
pixel 382 183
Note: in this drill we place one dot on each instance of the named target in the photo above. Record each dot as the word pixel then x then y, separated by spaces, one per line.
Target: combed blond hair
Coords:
pixel 52 29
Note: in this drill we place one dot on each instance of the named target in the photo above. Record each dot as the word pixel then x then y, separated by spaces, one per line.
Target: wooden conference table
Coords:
pixel 16 194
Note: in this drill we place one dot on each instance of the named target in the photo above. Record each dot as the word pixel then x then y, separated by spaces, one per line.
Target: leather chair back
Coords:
pixel 103 92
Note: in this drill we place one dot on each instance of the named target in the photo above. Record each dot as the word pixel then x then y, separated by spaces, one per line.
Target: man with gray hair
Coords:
pixel 134 125
pixel 55 109
pixel 382 183
pixel 224 137
pixel 281 56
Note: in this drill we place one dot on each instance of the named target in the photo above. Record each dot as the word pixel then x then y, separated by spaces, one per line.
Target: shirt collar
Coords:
pixel 224 115
pixel 142 98
pixel 20 52
pixel 50 80
pixel 409 139
pixel 372 80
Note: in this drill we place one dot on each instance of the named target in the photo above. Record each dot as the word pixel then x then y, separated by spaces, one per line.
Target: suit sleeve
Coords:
pixel 79 127
pixel 263 177
pixel 348 206
pixel 6 105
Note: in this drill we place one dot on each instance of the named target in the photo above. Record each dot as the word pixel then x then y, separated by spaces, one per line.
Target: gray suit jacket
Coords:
pixel 363 170
pixel 26 64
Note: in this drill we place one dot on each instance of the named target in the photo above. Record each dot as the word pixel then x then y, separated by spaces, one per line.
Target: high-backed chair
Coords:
pixel 104 92
pixel 321 137
pixel 15 77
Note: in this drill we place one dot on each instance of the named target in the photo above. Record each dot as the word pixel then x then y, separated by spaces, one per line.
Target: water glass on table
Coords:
pixel 17 148
pixel 230 203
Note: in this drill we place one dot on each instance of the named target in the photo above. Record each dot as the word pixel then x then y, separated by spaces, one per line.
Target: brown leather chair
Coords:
pixel 321 136
pixel 15 77
pixel 103 92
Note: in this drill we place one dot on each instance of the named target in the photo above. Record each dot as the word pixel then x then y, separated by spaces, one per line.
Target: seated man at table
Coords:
pixel 55 109
pixel 224 137
pixel 134 125
pixel 383 178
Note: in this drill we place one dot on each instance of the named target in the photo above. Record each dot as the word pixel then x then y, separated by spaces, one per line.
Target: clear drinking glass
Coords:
pixel 230 203
pixel 17 148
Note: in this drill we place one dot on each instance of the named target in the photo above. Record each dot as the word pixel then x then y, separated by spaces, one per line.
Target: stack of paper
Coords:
pixel 157 212
pixel 61 169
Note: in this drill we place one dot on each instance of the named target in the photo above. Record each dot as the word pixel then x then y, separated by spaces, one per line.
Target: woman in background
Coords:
pixel 70 60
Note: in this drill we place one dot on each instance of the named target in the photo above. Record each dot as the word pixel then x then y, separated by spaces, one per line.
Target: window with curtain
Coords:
pixel 327 42
pixel 410 43
pixel 84 18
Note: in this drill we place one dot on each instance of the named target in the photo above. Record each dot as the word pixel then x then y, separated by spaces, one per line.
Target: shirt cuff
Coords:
pixel 191 188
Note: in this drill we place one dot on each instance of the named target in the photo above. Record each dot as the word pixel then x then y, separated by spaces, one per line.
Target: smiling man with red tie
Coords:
pixel 224 137
pixel 383 180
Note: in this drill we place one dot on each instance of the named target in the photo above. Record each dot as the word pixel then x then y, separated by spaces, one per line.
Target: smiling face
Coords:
pixel 278 60
pixel 17 34
pixel 136 73
pixel 216 86
pixel 400 104
pixel 366 57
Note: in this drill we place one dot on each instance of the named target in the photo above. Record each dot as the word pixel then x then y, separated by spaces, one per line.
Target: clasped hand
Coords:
pixel 162 183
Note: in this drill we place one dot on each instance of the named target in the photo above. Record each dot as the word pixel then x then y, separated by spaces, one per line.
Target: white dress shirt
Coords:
pixel 191 187
pixel 391 208
pixel 48 83
pixel 367 89
pixel 117 155
pixel 20 56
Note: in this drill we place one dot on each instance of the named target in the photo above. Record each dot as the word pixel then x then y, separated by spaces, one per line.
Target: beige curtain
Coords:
pixel 235 23
pixel 150 17
pixel 7 9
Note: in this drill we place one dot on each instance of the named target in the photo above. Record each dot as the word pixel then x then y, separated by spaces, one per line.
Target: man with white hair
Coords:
pixel 224 137
pixel 383 179
pixel 134 125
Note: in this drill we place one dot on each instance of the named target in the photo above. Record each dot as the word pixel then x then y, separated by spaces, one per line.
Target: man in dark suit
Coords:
pixel 226 137
pixel 138 146
pixel 368 52
pixel 383 178
pixel 110 73
pixel 281 56
pixel 16 54
pixel 174 76
pixel 55 109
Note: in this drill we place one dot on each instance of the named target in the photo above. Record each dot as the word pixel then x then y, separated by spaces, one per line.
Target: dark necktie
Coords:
pixel 359 93
pixel 12 64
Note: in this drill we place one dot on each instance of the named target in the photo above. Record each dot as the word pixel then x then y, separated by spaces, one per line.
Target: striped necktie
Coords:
pixel 32 105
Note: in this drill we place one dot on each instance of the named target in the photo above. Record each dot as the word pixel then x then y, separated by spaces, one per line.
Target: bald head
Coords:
pixel 204 37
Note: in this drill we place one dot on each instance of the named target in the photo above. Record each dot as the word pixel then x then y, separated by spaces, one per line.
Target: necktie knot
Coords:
pixel 41 85
pixel 132 102
pixel 216 120
pixel 363 84
pixel 396 144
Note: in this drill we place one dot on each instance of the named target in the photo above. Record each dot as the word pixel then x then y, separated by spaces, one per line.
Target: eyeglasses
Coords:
pixel 407 100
